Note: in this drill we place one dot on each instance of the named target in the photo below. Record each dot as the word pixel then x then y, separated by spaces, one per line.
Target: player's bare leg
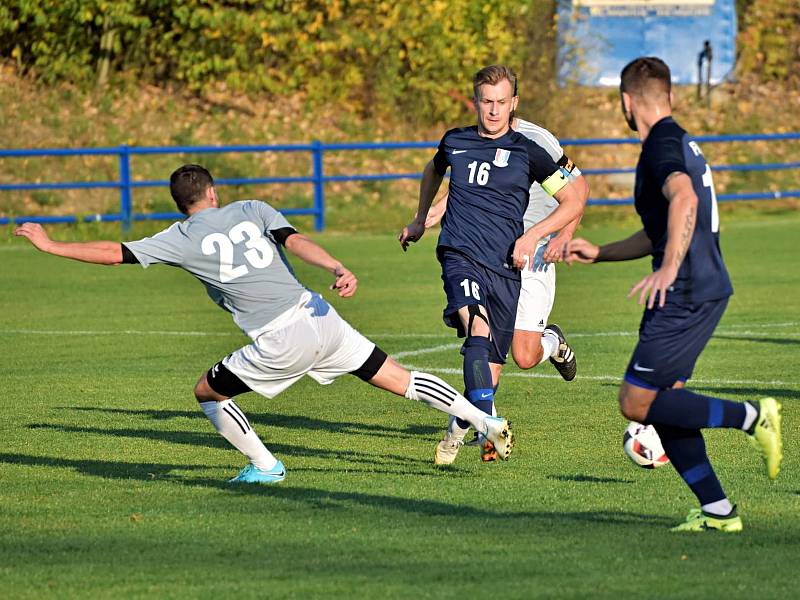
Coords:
pixel 526 348
pixel 437 394
pixel 232 424
pixel 532 348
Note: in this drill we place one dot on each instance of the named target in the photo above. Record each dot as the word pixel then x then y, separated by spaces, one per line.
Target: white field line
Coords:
pixel 615 378
pixel 629 333
pixel 729 329
pixel 430 350
pixel 452 346
pixel 119 332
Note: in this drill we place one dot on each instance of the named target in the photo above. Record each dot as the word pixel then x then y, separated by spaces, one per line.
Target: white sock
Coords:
pixel 437 394
pixel 454 431
pixel 750 416
pixel 549 345
pixel 230 422
pixel 720 508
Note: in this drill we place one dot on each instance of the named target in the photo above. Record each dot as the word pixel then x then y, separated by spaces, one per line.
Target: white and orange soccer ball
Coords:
pixel 643 446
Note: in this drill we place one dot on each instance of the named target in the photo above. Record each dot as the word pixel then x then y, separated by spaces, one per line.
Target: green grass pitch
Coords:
pixel 112 483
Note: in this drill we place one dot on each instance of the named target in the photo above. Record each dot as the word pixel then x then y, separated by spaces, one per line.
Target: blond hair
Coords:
pixel 492 75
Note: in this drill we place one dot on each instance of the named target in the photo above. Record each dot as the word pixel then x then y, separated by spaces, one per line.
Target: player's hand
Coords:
pixel 525 250
pixel 582 251
pixel 557 248
pixel 411 233
pixel 35 233
pixel 655 284
pixel 346 283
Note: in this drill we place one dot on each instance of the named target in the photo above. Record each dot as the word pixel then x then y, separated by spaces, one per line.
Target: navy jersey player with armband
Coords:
pixel 483 244
pixel 686 296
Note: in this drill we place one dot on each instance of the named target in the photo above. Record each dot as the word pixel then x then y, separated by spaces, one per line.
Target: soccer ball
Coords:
pixel 643 446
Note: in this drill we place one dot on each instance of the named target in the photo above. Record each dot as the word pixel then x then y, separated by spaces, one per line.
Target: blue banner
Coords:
pixel 599 37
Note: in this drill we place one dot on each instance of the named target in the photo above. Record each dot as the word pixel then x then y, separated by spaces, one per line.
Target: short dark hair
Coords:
pixel 494 74
pixel 644 76
pixel 188 184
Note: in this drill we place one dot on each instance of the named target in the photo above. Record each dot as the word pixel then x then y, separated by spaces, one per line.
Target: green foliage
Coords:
pixel 405 56
pixel 770 40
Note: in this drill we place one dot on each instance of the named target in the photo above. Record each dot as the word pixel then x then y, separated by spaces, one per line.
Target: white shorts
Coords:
pixel 536 296
pixel 310 339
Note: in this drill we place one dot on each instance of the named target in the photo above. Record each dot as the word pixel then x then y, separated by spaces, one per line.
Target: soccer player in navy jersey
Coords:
pixel 482 245
pixel 535 339
pixel 686 295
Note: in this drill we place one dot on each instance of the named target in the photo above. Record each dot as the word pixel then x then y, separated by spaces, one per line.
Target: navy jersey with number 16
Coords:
pixel 489 186
pixel 668 149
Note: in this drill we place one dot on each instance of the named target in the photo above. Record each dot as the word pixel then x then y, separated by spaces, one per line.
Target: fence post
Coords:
pixel 319 186
pixel 125 208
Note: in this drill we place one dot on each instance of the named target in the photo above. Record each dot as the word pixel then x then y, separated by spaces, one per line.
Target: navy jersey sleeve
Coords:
pixel 667 158
pixel 441 160
pixel 544 170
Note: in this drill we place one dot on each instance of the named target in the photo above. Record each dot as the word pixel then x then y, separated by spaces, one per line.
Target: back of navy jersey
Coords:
pixel 489 183
pixel 668 149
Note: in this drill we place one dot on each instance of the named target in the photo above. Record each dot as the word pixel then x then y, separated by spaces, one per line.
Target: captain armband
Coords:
pixel 555 182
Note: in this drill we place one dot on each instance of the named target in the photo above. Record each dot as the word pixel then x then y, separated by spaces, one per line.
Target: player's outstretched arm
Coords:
pixel 583 251
pixel 309 251
pixel 100 252
pixel 681 222
pixel 431 180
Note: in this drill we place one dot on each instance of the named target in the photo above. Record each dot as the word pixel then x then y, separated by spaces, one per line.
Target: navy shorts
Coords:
pixel 671 339
pixel 467 282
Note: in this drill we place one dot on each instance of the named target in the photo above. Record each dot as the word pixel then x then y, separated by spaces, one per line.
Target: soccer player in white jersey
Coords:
pixel 535 340
pixel 236 252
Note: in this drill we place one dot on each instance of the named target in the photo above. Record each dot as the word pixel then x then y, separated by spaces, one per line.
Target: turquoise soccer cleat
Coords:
pixel 252 474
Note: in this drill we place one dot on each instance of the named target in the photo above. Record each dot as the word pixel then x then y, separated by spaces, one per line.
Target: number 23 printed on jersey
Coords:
pixel 259 253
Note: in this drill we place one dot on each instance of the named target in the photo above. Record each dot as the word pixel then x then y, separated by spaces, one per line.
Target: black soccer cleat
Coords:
pixel 564 361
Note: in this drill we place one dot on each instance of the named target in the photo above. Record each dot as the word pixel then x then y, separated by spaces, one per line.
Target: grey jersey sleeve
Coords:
pixel 271 218
pixel 163 247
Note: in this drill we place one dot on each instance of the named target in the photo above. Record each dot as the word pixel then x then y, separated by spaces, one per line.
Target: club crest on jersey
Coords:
pixel 501 158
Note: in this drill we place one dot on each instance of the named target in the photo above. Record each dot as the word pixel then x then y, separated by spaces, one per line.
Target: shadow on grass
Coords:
pixel 747 392
pixel 212 440
pixel 761 340
pixel 324 499
pixel 578 478
pixel 278 420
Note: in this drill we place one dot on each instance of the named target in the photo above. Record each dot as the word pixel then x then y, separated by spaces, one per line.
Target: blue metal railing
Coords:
pixel 126 183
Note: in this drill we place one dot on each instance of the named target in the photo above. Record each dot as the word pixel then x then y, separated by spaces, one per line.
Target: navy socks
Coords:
pixel 688 410
pixel 687 453
pixel 477 375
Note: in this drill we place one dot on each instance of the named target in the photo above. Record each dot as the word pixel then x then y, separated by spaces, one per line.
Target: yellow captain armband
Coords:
pixel 555 182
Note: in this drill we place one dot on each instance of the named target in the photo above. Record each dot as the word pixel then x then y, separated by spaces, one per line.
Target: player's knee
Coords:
pixel 203 391
pixel 475 321
pixel 632 407
pixel 527 358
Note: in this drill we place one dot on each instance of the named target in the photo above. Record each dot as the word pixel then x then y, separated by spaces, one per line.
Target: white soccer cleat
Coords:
pixel 447 449
pixel 499 433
